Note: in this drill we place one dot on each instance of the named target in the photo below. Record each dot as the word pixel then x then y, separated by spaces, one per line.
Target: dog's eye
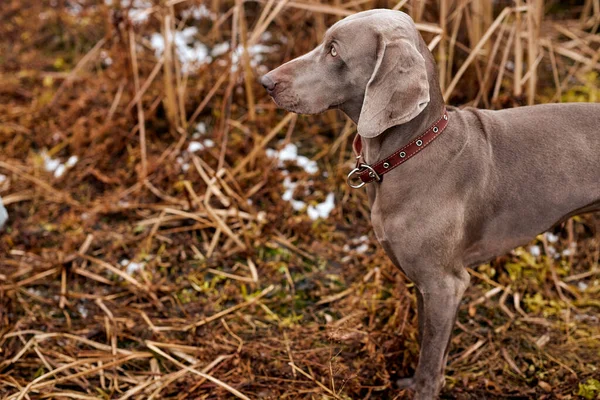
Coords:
pixel 333 51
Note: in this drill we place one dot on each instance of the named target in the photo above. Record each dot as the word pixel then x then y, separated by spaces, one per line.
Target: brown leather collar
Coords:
pixel 369 173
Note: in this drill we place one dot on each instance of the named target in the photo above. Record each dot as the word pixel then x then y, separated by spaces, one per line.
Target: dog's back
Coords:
pixel 548 143
pixel 541 164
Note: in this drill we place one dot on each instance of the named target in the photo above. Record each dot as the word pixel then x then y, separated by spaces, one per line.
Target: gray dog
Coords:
pixel 490 182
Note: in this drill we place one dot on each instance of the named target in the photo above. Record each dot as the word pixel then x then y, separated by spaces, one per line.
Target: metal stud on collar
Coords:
pixel 419 142
pixel 402 154
pixel 372 172
pixel 435 129
pixel 386 165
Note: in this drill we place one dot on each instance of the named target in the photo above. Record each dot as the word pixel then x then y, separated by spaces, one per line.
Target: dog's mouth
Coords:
pixel 289 99
pixel 335 106
pixel 277 90
pixel 282 97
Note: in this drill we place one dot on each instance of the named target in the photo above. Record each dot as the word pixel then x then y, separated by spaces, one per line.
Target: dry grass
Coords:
pixel 240 295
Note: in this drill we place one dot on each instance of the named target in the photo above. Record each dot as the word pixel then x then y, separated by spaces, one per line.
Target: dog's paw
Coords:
pixel 406 383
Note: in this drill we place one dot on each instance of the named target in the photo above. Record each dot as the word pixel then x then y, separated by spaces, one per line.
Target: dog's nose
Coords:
pixel 267 82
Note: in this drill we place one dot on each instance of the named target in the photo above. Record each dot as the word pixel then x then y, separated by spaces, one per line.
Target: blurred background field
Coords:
pixel 172 234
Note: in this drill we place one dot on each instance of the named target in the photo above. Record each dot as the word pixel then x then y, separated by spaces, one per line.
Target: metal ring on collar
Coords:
pixel 360 169
pixel 354 171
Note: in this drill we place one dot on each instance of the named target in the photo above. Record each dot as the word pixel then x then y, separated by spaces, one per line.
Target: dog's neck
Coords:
pixel 379 147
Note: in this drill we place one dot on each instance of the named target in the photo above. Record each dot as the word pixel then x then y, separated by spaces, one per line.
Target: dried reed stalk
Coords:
pixel 518 77
pixel 140 108
pixel 443 49
pixel 169 66
pixel 475 50
pixel 534 19
pixel 248 75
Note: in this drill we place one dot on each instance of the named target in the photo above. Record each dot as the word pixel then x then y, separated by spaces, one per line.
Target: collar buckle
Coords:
pixel 359 170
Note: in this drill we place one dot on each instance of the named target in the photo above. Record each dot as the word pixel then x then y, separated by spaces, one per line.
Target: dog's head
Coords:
pixel 369 65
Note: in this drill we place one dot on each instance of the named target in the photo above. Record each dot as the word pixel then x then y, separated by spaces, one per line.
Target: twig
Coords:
pixel 291 364
pixel 140 108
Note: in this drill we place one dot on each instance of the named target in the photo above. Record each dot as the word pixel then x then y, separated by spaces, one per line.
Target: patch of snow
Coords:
pixel 362 248
pixel 582 286
pixel 56 166
pixel 35 292
pixel 288 195
pixel 550 237
pixel 157 42
pixel 131 267
pixel 50 164
pixel 219 49
pixel 184 165
pixel 189 51
pixel 195 146
pixel 255 52
pixel 139 10
pixel 3 214
pixel 361 244
pixel 261 217
pixel 193 53
pixel 2 178
pixel 566 252
pixel 535 251
pixel 297 204
pixel 60 170
pixel 138 16
pixel 106 60
pixel 290 153
pixel 82 311
pixel 72 161
pixel 198 12
pixel 201 128
pixel 552 252
pixel 322 210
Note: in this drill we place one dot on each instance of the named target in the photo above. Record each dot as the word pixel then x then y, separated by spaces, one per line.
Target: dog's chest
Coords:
pixel 385 218
pixel 377 218
pixel 394 212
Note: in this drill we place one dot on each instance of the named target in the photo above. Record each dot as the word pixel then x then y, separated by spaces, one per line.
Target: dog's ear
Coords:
pixel 398 89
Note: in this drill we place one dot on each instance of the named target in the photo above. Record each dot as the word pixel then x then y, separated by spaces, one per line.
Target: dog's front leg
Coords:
pixel 440 299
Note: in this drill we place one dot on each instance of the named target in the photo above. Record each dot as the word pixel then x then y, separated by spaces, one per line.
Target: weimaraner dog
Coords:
pixel 484 183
